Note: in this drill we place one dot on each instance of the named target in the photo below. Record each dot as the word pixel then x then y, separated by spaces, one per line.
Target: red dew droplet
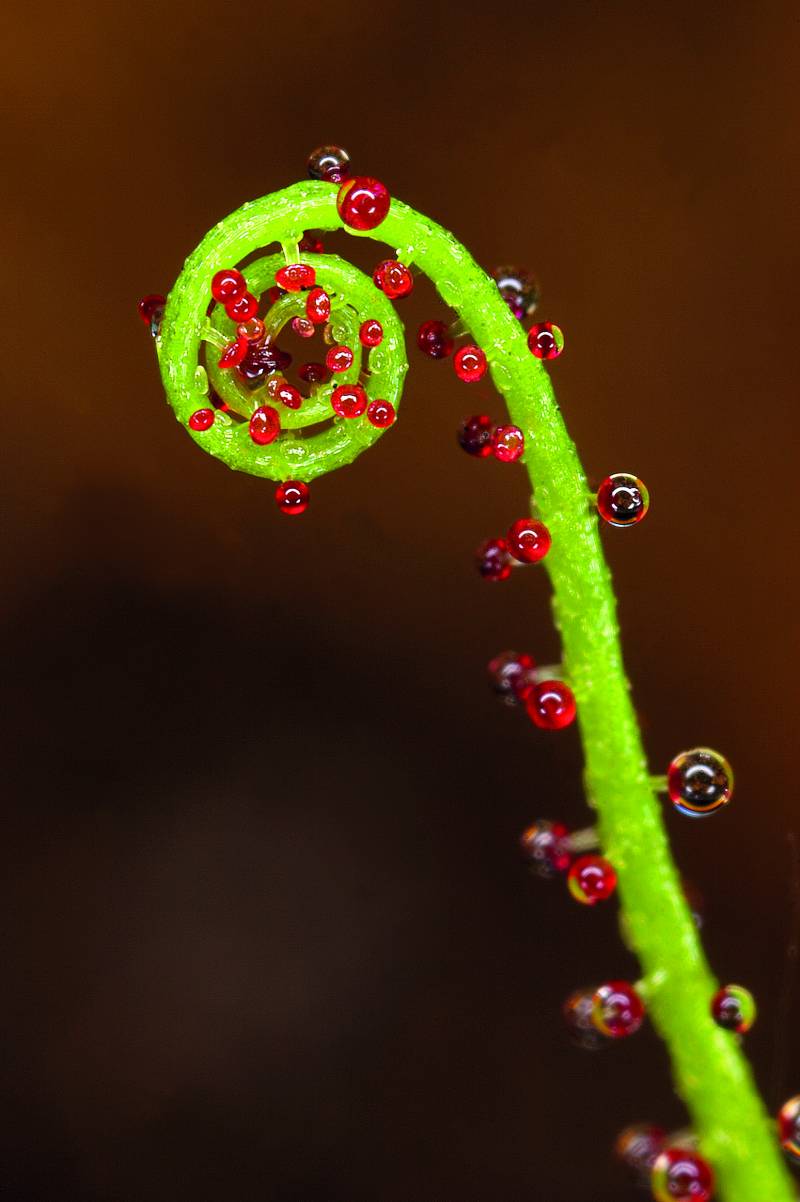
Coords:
pixel 475 435
pixel 551 705
pixel 591 879
pixel 234 352
pixel 381 414
pixel 470 363
pixel 681 1175
pixel 545 340
pixel 508 443
pixel 287 395
pixel 311 243
pixel 734 1008
pixel 201 419
pixel 339 358
pixel 242 308
pixel 260 360
pixel 363 202
pixel 622 499
pixel 393 278
pixel 292 497
pixel 227 285
pixel 434 339
pixel 253 330
pixel 313 373
pixel 528 541
pixel 295 276
pixel 265 425
pixel 318 306
pixel 349 400
pixel 302 327
pixel 493 560
pixel 617 1009
pixel 149 306
pixel 789 1128
pixel 371 332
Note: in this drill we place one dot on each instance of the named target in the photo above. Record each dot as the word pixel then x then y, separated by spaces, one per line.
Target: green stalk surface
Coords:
pixel 709 1068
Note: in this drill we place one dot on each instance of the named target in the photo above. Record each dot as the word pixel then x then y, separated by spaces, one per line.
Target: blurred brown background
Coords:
pixel 265 932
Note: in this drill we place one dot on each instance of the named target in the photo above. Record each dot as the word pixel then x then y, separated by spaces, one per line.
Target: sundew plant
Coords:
pixel 216 336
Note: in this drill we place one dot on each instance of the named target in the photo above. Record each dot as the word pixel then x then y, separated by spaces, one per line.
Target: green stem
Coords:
pixel 709 1069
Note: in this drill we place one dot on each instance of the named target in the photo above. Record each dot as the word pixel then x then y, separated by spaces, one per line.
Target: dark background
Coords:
pixel 265 930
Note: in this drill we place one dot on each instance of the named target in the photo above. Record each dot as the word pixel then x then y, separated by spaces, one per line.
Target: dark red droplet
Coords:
pixel 201 419
pixel 318 306
pixel 475 435
pixel 313 373
pixel 470 363
pixel 493 560
pixel 371 332
pixel 789 1128
pixel 622 499
pixel 149 306
pixel 434 339
pixel 292 497
pixel 329 163
pixel 265 425
pixel 734 1008
pixel 363 202
pixel 242 308
pixel 508 443
pixel 617 1009
pixel 381 414
pixel 591 879
pixel 349 400
pixel 295 276
pixel 288 395
pixel 339 358
pixel 311 243
pixel 393 278
pixel 545 340
pixel 551 705
pixel 260 361
pixel 681 1175
pixel 227 285
pixel 512 676
pixel 528 540
pixel 234 352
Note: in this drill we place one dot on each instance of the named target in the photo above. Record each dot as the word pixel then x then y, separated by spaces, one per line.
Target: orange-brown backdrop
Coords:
pixel 265 930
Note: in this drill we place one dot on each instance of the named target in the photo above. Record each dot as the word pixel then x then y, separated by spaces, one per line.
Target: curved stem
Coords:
pixel 710 1071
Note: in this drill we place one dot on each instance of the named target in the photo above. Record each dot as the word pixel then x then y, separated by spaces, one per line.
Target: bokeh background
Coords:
pixel 265 930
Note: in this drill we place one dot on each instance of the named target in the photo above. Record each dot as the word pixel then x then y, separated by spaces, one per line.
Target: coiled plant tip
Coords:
pixel 217 339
